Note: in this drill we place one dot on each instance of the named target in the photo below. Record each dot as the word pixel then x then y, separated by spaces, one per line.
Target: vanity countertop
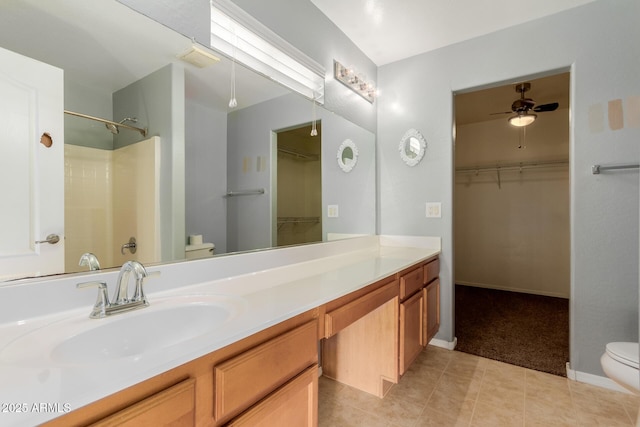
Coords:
pixel 36 388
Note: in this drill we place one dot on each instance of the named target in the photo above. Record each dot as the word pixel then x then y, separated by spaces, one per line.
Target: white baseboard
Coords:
pixel 449 345
pixel 604 382
pixel 506 288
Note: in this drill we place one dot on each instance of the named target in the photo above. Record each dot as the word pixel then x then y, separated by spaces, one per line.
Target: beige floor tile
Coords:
pixel 332 413
pixel 434 357
pixel 497 395
pixel 493 416
pixel 459 388
pixel 398 412
pixel 544 413
pixel 600 404
pixel 466 365
pixel 444 388
pixel 431 418
pixel 414 389
pixel 444 403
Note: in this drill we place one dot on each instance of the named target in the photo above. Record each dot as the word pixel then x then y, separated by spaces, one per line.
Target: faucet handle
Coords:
pixel 139 295
pixel 102 301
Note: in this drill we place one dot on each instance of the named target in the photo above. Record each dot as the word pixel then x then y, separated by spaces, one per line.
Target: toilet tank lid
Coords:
pixel 625 352
pixel 200 246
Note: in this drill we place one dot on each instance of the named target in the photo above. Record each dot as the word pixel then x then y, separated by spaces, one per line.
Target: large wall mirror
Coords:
pixel 203 169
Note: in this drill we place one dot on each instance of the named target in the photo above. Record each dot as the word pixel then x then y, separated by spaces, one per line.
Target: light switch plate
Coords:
pixel 434 210
pixel 332 211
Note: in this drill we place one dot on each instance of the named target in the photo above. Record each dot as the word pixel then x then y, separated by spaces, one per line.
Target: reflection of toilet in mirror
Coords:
pixel 197 249
pixel 620 363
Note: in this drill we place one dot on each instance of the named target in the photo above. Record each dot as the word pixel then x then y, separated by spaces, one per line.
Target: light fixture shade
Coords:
pixel 521 120
pixel 239 36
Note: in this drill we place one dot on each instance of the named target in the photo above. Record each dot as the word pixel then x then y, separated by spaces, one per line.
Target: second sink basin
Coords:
pixel 166 323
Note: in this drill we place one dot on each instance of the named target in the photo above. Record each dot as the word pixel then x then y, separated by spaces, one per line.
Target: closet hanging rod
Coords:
pixel 143 132
pixel 596 169
pixel 244 192
pixel 514 166
pixel 298 154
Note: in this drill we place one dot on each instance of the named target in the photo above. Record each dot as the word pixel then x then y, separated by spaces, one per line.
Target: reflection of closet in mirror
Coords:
pixel 299 192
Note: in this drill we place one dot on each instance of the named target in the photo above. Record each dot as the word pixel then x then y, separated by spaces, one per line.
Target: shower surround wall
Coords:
pixel 110 196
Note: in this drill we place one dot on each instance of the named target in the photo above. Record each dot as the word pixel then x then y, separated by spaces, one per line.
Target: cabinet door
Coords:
pixel 174 406
pixel 412 339
pixel 293 404
pixel 432 317
pixel 250 376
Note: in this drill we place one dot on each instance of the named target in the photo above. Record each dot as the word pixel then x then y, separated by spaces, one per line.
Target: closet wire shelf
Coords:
pixel 512 167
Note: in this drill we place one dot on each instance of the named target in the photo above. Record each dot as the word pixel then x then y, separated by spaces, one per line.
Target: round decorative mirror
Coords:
pixel 347 155
pixel 412 147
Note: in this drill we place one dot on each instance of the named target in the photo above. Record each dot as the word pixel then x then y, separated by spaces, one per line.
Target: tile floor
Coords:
pixel 449 388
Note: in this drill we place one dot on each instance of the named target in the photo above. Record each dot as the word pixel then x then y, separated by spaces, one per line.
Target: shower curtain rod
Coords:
pixel 143 132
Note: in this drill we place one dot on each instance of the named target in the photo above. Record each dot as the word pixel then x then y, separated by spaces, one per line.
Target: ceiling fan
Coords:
pixel 524 108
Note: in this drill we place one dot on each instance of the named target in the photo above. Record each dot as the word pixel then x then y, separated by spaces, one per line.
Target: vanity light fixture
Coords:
pixel 238 35
pixel 521 120
pixel 354 81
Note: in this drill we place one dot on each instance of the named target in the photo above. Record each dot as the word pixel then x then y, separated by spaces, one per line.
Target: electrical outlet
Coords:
pixel 332 211
pixel 434 210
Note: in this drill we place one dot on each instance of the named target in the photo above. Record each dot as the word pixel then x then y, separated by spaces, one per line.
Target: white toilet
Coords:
pixel 197 249
pixel 620 363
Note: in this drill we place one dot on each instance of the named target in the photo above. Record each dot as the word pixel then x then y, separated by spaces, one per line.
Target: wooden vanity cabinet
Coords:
pixel 412 339
pixel 269 372
pixel 432 299
pixel 432 318
pixel 174 406
pixel 419 310
pixel 361 331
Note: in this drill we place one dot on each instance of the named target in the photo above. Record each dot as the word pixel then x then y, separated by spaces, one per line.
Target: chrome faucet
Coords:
pixel 121 302
pixel 89 260
pixel 121 295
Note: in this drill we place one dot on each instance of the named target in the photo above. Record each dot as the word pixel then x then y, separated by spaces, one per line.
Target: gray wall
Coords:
pixel 597 42
pixel 86 99
pixel 158 100
pixel 206 174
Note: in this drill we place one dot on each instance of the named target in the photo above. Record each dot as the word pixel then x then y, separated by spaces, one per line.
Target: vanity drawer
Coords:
pixel 431 270
pixel 410 282
pixel 173 406
pixel 340 318
pixel 245 379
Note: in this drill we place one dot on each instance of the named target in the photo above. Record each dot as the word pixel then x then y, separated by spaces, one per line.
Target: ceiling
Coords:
pixel 390 30
pixel 478 106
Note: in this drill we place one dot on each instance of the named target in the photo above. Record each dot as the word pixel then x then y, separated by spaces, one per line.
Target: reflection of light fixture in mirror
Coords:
pixel 233 103
pixel 314 130
pixel 260 49
pixel 521 119
pixel 356 82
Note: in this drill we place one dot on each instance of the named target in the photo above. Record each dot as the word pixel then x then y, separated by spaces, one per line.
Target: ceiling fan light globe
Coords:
pixel 521 120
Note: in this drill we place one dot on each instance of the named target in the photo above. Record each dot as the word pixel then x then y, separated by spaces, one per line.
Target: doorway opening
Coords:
pixel 512 223
pixel 299 186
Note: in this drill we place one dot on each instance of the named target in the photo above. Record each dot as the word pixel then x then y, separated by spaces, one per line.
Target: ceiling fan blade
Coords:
pixel 546 107
pixel 502 112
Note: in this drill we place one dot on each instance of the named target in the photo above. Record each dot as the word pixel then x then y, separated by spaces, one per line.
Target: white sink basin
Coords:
pixel 164 324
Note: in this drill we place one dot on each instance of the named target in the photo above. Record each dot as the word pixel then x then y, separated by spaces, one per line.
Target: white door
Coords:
pixel 31 167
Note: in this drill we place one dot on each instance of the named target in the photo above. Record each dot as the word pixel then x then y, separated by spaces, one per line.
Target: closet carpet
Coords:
pixel 521 329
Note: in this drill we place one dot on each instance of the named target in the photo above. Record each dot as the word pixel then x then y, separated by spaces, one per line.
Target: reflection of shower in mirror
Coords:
pixel 113 128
